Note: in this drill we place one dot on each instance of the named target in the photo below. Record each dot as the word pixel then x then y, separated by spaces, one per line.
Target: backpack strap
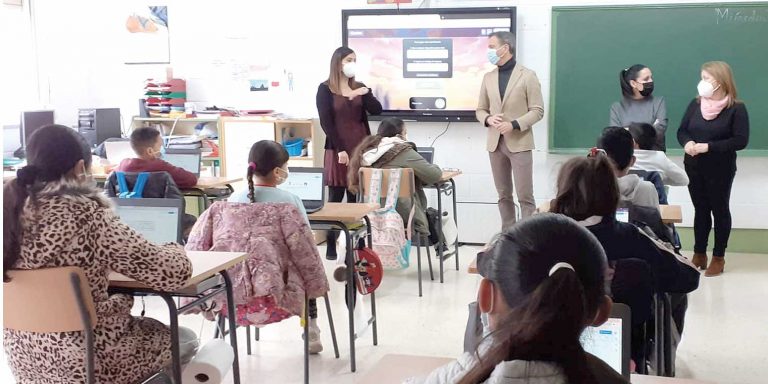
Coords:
pixel 393 190
pixel 138 188
pixel 122 184
pixel 374 190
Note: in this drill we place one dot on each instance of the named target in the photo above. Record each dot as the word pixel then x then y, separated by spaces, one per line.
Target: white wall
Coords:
pixel 81 66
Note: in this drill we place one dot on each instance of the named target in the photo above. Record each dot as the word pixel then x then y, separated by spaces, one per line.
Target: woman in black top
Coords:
pixel 343 105
pixel 714 127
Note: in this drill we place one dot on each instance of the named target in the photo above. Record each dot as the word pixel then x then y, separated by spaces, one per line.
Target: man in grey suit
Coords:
pixel 510 103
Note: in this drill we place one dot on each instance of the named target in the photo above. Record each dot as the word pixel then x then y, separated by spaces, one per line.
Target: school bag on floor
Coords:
pixel 390 240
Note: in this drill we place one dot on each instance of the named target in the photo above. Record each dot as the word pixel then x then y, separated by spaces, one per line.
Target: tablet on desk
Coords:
pixel 610 342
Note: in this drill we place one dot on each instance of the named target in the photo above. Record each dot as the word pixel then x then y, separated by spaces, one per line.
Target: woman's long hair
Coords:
pixel 335 75
pixel 549 312
pixel 52 152
pixel 388 127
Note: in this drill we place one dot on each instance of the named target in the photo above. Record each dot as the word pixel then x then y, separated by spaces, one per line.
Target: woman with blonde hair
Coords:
pixel 714 127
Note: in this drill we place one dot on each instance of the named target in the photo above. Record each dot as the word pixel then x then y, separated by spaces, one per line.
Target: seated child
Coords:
pixel 543 284
pixel 268 168
pixel 148 145
pixel 388 149
pixel 54 216
pixel 618 144
pixel 648 159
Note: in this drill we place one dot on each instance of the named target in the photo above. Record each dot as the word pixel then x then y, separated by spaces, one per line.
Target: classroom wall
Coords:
pixel 81 65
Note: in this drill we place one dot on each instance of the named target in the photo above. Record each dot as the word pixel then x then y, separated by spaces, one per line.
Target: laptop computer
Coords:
pixel 118 150
pixel 428 153
pixel 309 185
pixel 158 220
pixel 188 159
pixel 610 342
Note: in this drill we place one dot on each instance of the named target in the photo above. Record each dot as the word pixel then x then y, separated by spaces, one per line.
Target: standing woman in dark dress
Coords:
pixel 714 127
pixel 343 105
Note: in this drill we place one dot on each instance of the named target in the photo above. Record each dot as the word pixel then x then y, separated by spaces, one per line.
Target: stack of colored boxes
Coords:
pixel 166 99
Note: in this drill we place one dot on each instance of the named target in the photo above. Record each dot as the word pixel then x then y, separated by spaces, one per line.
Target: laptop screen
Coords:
pixel 428 153
pixel 605 342
pixel 188 161
pixel 308 186
pixel 157 224
pixel 118 150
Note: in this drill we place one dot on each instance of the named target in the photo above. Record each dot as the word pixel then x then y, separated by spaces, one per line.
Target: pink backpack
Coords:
pixel 391 241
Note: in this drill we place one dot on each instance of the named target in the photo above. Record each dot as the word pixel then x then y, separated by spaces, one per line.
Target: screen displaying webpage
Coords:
pixel 307 186
pixel 157 224
pixel 424 62
pixel 605 342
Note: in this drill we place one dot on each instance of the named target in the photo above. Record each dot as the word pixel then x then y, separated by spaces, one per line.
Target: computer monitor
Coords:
pixel 188 159
pixel 428 153
pixel 308 185
pixel 11 140
pixel 31 121
pixel 118 150
pixel 610 342
pixel 158 220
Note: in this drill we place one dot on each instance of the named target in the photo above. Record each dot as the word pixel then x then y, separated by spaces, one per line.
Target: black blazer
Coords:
pixel 327 115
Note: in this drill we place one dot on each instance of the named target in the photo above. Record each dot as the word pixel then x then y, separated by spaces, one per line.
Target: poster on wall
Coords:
pixel 146 37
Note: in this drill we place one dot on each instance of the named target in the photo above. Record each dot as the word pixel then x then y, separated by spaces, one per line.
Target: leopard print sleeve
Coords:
pixel 161 267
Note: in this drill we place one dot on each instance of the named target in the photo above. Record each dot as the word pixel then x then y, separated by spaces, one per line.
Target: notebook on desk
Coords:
pixel 610 342
pixel 188 159
pixel 309 185
pixel 158 220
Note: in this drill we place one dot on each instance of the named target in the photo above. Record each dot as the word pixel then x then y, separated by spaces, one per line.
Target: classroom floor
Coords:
pixel 725 337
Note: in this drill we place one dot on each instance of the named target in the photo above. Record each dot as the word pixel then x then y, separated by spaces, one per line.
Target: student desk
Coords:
pixel 670 214
pixel 198 190
pixel 394 368
pixel 205 267
pixel 447 186
pixel 343 216
pixel 206 183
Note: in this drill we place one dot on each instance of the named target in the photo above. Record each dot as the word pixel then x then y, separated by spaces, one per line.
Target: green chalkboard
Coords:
pixel 590 45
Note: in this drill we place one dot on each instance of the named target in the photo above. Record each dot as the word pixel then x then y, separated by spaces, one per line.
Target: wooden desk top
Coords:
pixel 213 182
pixel 204 266
pixel 670 214
pixel 450 174
pixel 343 212
pixel 395 368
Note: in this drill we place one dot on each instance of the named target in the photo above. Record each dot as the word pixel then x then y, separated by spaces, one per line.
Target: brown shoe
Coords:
pixel 700 260
pixel 716 267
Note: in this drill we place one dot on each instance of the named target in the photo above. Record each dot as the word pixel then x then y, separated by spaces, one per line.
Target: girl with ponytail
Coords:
pixel 54 216
pixel 268 168
pixel 543 284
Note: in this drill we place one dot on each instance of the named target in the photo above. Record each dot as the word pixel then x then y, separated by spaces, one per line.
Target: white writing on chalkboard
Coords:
pixel 727 15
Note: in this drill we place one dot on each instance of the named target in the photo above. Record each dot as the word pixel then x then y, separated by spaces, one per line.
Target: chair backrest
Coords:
pixel 160 185
pixel 46 300
pixel 407 183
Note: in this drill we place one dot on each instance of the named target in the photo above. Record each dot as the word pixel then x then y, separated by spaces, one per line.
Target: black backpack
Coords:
pixel 436 236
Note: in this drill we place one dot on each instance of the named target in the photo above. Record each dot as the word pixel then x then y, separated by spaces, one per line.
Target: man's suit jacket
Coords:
pixel 522 101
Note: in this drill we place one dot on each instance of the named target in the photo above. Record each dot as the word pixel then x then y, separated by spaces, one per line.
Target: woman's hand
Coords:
pixel 362 91
pixel 690 148
pixel 343 158
pixel 701 148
